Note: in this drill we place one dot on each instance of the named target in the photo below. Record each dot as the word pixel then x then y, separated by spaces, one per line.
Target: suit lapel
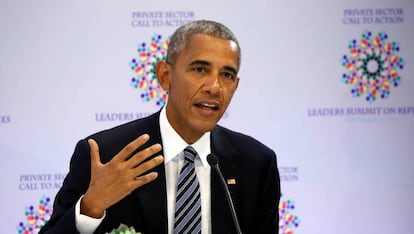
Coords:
pixel 153 200
pixel 153 196
pixel 222 221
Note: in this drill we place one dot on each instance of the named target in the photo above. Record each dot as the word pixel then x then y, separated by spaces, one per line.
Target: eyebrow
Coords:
pixel 231 69
pixel 199 62
pixel 206 63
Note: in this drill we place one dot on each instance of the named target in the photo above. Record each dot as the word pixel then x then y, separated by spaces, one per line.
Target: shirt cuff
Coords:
pixel 84 223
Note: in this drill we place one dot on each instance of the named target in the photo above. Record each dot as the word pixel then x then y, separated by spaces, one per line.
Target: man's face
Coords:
pixel 201 84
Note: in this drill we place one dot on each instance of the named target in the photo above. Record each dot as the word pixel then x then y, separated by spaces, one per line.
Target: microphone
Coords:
pixel 214 163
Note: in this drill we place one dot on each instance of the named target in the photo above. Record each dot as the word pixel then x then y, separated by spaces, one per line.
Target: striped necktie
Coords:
pixel 188 202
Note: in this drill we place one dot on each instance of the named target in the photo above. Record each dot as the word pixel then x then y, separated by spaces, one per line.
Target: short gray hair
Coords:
pixel 181 36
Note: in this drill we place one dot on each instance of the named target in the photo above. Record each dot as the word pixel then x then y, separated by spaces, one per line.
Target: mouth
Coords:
pixel 207 106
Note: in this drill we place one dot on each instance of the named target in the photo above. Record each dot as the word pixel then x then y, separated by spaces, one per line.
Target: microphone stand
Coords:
pixel 213 161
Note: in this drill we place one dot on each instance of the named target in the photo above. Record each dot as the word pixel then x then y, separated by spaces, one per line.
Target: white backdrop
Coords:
pixel 347 164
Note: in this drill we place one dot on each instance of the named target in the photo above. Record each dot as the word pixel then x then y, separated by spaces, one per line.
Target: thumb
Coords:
pixel 94 150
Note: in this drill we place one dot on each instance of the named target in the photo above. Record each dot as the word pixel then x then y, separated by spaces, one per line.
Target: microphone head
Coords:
pixel 212 159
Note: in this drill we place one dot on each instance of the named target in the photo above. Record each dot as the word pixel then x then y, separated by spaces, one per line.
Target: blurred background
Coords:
pixel 327 84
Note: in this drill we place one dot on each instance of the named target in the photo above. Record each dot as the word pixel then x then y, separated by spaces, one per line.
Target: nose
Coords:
pixel 212 85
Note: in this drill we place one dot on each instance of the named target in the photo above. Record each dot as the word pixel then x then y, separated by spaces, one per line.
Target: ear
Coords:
pixel 163 71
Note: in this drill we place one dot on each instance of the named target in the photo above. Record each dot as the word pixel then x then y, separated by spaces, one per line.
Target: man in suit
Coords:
pixel 129 174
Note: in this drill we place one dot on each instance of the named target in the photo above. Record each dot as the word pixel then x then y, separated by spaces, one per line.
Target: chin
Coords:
pixel 206 127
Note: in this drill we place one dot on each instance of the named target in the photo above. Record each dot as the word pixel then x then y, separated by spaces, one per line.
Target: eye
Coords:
pixel 228 75
pixel 200 69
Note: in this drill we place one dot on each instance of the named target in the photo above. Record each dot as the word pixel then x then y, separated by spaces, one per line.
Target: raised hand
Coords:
pixel 114 180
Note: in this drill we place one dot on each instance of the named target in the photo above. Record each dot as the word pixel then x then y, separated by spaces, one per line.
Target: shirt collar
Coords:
pixel 173 144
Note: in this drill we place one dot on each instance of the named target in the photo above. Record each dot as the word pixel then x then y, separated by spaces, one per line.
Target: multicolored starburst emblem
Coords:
pixel 288 221
pixel 372 66
pixel 36 217
pixel 143 68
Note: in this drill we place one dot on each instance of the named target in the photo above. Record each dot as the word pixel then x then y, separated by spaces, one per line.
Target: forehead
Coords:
pixel 211 48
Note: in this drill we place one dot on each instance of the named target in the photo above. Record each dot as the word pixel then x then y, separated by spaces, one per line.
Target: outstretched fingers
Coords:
pixel 129 149
pixel 94 151
pixel 128 164
pixel 148 165
pixel 142 155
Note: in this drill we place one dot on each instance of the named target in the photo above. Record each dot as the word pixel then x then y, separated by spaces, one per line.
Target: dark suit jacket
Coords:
pixel 253 165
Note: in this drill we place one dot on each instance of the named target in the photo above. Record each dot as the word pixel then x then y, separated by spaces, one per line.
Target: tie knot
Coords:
pixel 190 154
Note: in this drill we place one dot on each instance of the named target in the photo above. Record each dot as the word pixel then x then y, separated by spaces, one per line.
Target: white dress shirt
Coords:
pixel 173 146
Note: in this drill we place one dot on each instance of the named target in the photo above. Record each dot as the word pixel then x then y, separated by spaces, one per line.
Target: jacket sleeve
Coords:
pixel 74 186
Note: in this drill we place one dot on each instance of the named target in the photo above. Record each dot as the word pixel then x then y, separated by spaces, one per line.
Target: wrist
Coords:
pixel 90 209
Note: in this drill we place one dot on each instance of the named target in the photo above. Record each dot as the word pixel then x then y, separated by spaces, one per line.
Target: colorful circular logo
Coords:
pixel 288 221
pixel 143 68
pixel 36 217
pixel 372 66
